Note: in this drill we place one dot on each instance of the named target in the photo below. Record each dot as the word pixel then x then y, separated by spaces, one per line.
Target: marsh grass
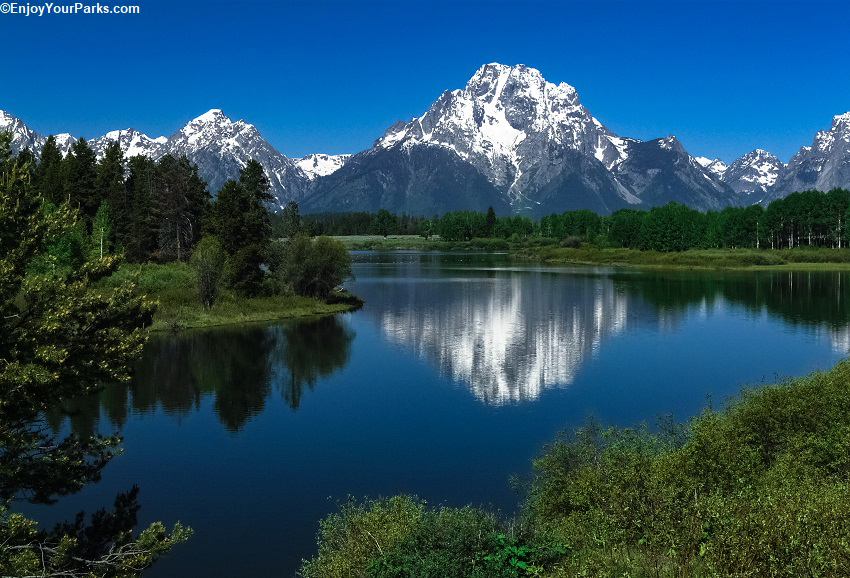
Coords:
pixel 801 258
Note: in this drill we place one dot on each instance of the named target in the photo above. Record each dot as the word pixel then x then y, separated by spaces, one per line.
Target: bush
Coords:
pixel 313 268
pixel 401 537
pixel 755 490
pixel 208 260
pixel 571 242
pixel 361 532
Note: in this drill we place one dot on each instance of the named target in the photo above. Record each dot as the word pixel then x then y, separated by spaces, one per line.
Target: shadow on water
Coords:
pixel 238 368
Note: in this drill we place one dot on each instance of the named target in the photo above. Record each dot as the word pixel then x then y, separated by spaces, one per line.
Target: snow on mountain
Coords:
pixel 532 140
pixel 132 143
pixel 221 148
pixel 716 167
pixel 23 137
pixel 513 126
pixel 319 165
pixel 754 174
pixel 822 166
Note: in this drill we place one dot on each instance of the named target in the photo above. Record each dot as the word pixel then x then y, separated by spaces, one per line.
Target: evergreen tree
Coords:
pixel 384 223
pixel 49 176
pixel 141 234
pixel 490 222
pixel 180 199
pixel 111 189
pixel 100 244
pixel 79 179
pixel 5 149
pixel 290 220
pixel 239 219
pixel 27 163
pixel 59 340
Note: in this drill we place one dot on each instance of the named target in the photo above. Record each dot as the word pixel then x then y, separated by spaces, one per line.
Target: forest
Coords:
pixel 807 218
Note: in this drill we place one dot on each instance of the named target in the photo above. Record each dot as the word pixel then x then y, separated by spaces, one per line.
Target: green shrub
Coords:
pixel 359 533
pixel 208 259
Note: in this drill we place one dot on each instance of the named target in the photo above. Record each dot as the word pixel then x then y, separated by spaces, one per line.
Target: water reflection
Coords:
pixel 237 368
pixel 508 338
pixel 507 334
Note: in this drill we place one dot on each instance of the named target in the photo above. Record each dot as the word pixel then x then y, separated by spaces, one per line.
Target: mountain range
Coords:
pixel 508 139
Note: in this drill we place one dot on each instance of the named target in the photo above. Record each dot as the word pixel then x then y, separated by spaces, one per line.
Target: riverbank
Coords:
pixel 417 243
pixel 760 259
pixel 751 490
pixel 173 287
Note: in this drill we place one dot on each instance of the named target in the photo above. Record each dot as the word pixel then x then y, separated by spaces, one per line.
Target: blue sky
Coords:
pixel 318 76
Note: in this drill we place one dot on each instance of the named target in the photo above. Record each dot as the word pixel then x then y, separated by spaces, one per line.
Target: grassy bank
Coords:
pixel 802 258
pixel 760 488
pixel 417 243
pixel 173 286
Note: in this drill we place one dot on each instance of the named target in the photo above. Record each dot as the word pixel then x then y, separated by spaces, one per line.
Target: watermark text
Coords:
pixel 51 8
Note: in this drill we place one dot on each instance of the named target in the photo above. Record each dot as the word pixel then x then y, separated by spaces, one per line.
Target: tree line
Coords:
pixel 161 211
pixel 807 218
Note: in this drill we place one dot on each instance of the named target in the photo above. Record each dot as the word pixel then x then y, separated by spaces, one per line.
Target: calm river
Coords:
pixel 450 379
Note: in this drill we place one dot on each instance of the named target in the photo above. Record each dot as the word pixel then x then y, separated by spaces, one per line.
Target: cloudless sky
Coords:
pixel 330 76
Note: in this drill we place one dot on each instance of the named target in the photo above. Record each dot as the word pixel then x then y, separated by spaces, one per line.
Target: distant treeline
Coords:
pixel 453 226
pixel 811 218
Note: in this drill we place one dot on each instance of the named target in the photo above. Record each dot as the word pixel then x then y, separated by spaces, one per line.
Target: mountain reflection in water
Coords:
pixel 509 336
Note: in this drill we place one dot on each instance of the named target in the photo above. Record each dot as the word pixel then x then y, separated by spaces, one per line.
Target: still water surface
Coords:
pixel 450 379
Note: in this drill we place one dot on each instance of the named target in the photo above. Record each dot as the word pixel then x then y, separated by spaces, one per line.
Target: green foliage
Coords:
pixel 208 259
pixel 310 267
pixel 178 201
pixel 79 178
pixel 239 219
pixel 383 223
pixel 755 490
pixel 49 178
pixel 349 540
pixel 402 537
pixel 289 223
pixel 100 243
pixel 61 338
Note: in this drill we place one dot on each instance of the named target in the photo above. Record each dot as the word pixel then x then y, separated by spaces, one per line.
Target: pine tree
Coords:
pixel 49 176
pixel 140 241
pixel 180 199
pixel 239 219
pixel 490 222
pixel 79 179
pixel 111 189
pixel 100 244
pixel 59 340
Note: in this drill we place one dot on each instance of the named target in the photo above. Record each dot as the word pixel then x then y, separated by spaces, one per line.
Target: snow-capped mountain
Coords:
pixel 221 148
pixel 716 167
pixel 508 139
pixel 754 174
pixel 822 166
pixel 533 141
pixel 131 142
pixel 24 138
pixel 319 165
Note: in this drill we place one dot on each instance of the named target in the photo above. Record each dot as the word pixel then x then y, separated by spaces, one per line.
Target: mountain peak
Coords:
pixel 213 115
pixel 841 120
